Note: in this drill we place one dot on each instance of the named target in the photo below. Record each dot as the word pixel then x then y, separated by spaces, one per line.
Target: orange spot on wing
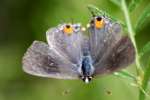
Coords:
pixel 68 30
pixel 99 23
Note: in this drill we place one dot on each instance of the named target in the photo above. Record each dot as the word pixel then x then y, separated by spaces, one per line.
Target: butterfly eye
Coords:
pixel 68 29
pixel 99 22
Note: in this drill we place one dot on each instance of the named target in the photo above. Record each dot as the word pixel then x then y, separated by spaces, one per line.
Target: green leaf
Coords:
pixel 116 2
pixel 133 4
pixel 145 49
pixel 145 15
pixel 145 82
pixel 125 74
pixel 97 12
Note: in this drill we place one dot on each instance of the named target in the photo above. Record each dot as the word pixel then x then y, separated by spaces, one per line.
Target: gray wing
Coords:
pixel 70 47
pixel 101 40
pixel 42 61
pixel 110 50
pixel 121 55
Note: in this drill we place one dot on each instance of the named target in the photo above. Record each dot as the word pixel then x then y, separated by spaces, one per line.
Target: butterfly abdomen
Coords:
pixel 87 66
pixel 86 69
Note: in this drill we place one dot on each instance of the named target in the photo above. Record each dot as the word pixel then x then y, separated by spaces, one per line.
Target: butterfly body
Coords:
pixel 69 54
pixel 87 69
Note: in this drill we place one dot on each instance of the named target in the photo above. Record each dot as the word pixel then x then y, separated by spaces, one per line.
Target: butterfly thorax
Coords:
pixel 87 69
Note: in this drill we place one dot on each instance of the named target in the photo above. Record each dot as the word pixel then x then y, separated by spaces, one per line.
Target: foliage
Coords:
pixel 133 4
pixel 145 49
pixel 143 18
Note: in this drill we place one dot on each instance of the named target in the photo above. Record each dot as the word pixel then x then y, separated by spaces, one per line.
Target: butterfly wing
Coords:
pixel 121 55
pixel 101 40
pixel 109 50
pixel 68 46
pixel 40 60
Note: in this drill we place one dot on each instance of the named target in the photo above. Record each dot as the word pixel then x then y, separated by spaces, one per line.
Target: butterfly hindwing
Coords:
pixel 67 45
pixel 101 40
pixel 110 50
pixel 121 55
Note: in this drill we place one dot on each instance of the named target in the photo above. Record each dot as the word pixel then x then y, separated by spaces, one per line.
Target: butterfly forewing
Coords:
pixel 40 60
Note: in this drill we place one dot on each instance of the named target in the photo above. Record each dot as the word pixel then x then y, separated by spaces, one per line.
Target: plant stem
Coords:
pixel 145 83
pixel 131 34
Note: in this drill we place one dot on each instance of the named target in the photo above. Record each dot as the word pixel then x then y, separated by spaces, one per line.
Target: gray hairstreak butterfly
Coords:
pixel 69 54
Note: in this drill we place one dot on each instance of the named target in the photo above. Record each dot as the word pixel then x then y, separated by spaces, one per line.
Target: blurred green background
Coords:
pixel 23 21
